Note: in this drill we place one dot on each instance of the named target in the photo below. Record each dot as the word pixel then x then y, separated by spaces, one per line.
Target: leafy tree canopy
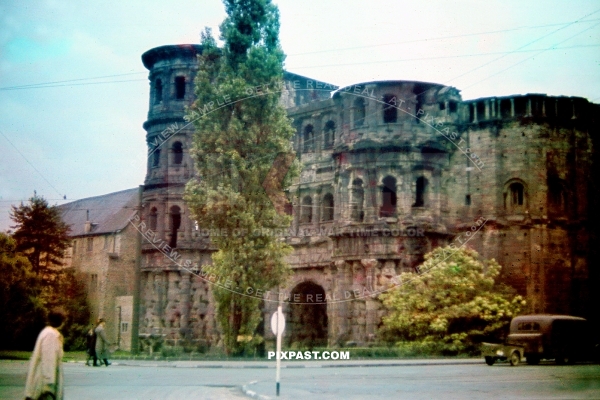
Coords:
pixel 453 304
pixel 234 147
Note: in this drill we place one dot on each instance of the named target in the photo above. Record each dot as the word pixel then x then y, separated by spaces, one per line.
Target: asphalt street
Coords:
pixel 391 379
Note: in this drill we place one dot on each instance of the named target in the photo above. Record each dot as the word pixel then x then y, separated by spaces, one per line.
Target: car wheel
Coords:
pixel 490 360
pixel 515 358
pixel 533 360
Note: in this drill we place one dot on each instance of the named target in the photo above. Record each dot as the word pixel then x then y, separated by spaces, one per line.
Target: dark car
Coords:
pixel 563 338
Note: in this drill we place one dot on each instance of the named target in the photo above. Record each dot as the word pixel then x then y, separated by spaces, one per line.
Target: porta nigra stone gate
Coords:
pixel 391 170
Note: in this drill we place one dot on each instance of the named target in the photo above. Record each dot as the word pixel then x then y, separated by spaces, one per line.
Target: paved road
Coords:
pixel 317 380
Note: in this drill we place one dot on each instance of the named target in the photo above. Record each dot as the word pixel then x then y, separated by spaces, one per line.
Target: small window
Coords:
pixel 105 242
pixel 177 153
pixel 442 106
pixel 328 135
pixel 516 194
pixel 421 191
pixel 175 225
pixel 74 246
pixel 152 218
pixel 390 112
pixel 308 138
pixel 327 208
pixel 158 91
pixel 359 112
pixel 179 87
pixel 453 106
pixel 156 158
pixel 306 210
pixel 124 326
pixel 468 200
pixel 389 198
pixel 90 244
pixel 358 198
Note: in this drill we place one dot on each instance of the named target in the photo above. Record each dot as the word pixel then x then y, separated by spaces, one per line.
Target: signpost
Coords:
pixel 277 326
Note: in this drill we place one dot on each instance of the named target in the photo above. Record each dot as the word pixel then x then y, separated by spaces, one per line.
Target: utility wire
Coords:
pixel 68 80
pixel 445 57
pixel 32 166
pixel 439 38
pixel 530 57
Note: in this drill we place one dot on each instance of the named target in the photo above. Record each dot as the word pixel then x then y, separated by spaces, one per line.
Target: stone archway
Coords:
pixel 308 316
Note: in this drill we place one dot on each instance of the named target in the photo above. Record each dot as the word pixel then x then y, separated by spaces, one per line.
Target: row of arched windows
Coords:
pixel 328 138
pixel 389 201
pixel 179 86
pixel 176 150
pixel 174 223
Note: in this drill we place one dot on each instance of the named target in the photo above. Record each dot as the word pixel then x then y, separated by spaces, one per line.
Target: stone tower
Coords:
pixel 174 306
pixel 390 170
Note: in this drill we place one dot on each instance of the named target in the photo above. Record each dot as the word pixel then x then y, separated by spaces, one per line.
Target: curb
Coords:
pixel 252 393
pixel 294 365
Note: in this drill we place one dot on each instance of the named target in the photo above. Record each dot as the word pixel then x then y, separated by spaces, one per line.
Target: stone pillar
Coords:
pixel 371 305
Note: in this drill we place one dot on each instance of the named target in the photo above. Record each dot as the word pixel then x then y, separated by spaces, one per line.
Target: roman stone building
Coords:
pixel 103 254
pixel 391 170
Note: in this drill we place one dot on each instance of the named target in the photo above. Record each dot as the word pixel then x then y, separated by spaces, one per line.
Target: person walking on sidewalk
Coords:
pixel 91 347
pixel 102 343
pixel 45 376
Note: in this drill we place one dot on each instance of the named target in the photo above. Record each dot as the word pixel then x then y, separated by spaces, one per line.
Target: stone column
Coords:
pixel 371 305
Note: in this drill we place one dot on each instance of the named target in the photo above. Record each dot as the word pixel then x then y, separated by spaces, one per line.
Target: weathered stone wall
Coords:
pixel 391 170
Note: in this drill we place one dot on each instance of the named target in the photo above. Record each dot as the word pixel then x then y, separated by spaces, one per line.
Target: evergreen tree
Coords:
pixel 234 147
pixel 40 234
pixel 42 237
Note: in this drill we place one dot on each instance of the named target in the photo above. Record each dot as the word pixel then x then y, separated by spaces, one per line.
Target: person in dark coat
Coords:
pixel 91 347
pixel 102 343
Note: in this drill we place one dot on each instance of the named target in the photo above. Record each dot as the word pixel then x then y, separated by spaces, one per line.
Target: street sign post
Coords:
pixel 277 326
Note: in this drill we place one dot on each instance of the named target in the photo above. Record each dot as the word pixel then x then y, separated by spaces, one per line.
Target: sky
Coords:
pixel 74 93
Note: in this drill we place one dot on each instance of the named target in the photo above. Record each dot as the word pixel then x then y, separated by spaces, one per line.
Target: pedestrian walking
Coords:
pixel 91 347
pixel 45 376
pixel 102 343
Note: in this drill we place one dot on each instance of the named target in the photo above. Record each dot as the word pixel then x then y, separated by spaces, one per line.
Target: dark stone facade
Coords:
pixel 391 170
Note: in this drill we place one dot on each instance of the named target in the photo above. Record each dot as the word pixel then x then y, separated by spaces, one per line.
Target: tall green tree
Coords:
pixel 40 234
pixel 21 309
pixel 234 147
pixel 451 305
pixel 42 237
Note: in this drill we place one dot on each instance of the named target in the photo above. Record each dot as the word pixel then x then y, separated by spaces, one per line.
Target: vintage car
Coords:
pixel 493 352
pixel 563 338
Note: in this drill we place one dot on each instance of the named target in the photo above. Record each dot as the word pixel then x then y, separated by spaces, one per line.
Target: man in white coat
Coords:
pixel 45 377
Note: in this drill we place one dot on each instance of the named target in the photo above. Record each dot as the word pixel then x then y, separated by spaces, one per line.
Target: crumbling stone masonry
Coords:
pixel 391 170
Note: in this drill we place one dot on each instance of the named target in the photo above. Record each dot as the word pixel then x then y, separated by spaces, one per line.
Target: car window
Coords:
pixel 528 326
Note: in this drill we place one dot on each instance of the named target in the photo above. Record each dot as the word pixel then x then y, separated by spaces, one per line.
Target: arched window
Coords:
pixel 327 208
pixel 179 87
pixel 358 198
pixel 359 112
pixel 515 197
pixel 308 138
pixel 156 158
pixel 152 218
pixel 389 199
pixel 177 153
pixel 175 224
pixel 390 112
pixel 158 91
pixel 306 210
pixel 420 192
pixel 328 135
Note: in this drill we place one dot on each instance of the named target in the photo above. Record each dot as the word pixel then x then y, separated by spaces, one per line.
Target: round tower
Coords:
pixel 174 305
